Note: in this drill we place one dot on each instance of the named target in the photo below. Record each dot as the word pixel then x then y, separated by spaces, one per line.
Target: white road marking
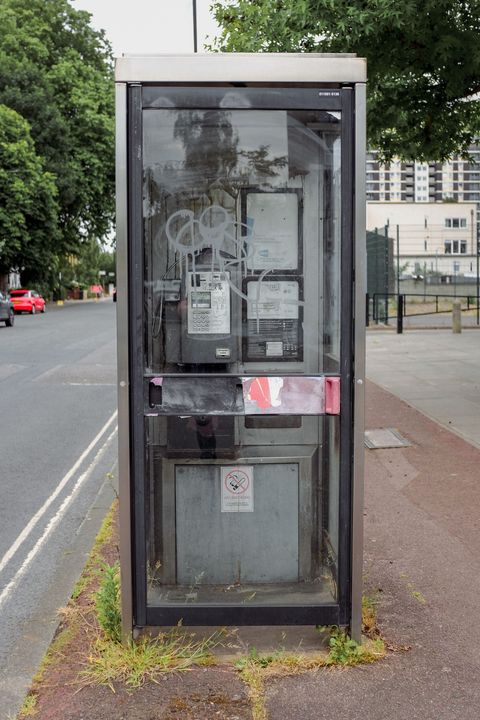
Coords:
pixel 88 384
pixel 54 521
pixel 39 514
pixel 47 373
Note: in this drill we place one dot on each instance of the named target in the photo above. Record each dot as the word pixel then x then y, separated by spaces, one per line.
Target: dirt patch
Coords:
pixel 190 696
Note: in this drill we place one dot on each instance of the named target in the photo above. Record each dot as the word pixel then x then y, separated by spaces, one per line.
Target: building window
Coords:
pixel 455 247
pixel 455 222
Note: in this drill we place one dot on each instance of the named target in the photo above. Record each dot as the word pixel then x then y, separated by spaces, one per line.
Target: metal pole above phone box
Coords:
pixel 195 48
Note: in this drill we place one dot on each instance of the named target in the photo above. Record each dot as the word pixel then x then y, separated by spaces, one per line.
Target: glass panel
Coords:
pixel 242 293
pixel 242 240
pixel 242 523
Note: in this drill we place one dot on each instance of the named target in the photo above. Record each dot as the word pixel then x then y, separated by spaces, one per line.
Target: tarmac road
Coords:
pixel 57 457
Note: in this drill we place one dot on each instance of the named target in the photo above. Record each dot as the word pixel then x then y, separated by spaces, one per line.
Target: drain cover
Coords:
pixel 384 438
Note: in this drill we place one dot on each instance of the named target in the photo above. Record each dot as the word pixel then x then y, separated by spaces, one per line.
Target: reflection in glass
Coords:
pixel 231 196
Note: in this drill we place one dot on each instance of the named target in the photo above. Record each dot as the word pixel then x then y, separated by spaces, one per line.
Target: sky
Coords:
pixel 150 26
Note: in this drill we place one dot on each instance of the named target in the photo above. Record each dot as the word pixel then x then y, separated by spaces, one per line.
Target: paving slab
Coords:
pixel 435 371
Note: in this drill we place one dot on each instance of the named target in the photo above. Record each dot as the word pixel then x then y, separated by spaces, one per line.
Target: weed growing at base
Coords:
pixel 107 602
pixel 136 661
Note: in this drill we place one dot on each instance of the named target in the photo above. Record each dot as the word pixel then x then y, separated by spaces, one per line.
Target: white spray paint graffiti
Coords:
pixel 215 229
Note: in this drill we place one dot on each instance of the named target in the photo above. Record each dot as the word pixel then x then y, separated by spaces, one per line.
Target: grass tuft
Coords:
pixel 104 537
pixel 29 706
pixel 136 662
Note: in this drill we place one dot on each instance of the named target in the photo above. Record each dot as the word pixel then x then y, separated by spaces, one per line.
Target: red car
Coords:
pixel 27 301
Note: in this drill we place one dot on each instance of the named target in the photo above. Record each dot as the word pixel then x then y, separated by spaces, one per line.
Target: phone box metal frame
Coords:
pixel 333 83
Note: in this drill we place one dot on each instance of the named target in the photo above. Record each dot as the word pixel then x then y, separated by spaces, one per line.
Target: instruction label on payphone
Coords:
pixel 208 296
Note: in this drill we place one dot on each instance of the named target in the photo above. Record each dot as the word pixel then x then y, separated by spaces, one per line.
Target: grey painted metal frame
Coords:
pixel 242 67
pixel 136 317
pixel 122 360
pixel 347 357
pixel 359 343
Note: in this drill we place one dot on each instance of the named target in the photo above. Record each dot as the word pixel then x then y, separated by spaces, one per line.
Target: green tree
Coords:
pixel 423 61
pixel 56 71
pixel 108 263
pixel 28 203
pixel 83 269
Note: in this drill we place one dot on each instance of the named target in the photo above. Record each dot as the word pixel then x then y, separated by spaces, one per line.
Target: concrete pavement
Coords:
pixel 422 564
pixel 435 371
pixel 422 540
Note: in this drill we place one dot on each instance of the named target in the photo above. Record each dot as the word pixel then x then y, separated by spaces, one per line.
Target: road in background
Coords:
pixel 58 451
pixel 435 371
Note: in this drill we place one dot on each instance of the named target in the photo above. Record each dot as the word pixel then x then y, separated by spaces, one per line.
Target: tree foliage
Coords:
pixel 56 72
pixel 423 61
pixel 28 202
pixel 83 269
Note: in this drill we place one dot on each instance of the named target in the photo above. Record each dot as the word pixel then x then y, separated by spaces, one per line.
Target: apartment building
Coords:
pixel 456 180
pixel 436 207
pixel 437 238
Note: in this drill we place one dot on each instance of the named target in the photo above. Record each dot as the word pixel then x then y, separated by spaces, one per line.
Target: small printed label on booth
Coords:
pixel 237 488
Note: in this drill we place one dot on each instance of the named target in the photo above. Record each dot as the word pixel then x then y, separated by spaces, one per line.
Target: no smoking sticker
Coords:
pixel 237 488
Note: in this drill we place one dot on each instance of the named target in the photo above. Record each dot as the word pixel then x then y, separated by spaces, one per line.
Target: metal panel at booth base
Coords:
pixel 237 547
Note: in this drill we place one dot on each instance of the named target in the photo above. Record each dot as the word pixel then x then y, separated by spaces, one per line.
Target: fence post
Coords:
pixel 367 310
pixel 400 314
pixel 457 317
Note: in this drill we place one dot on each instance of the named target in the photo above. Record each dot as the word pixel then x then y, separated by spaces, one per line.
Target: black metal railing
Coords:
pixel 386 307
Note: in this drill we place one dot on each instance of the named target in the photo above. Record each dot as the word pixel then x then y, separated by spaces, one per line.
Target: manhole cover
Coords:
pixel 384 438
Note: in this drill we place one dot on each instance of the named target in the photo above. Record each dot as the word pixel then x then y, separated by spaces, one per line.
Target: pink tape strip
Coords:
pixel 332 396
